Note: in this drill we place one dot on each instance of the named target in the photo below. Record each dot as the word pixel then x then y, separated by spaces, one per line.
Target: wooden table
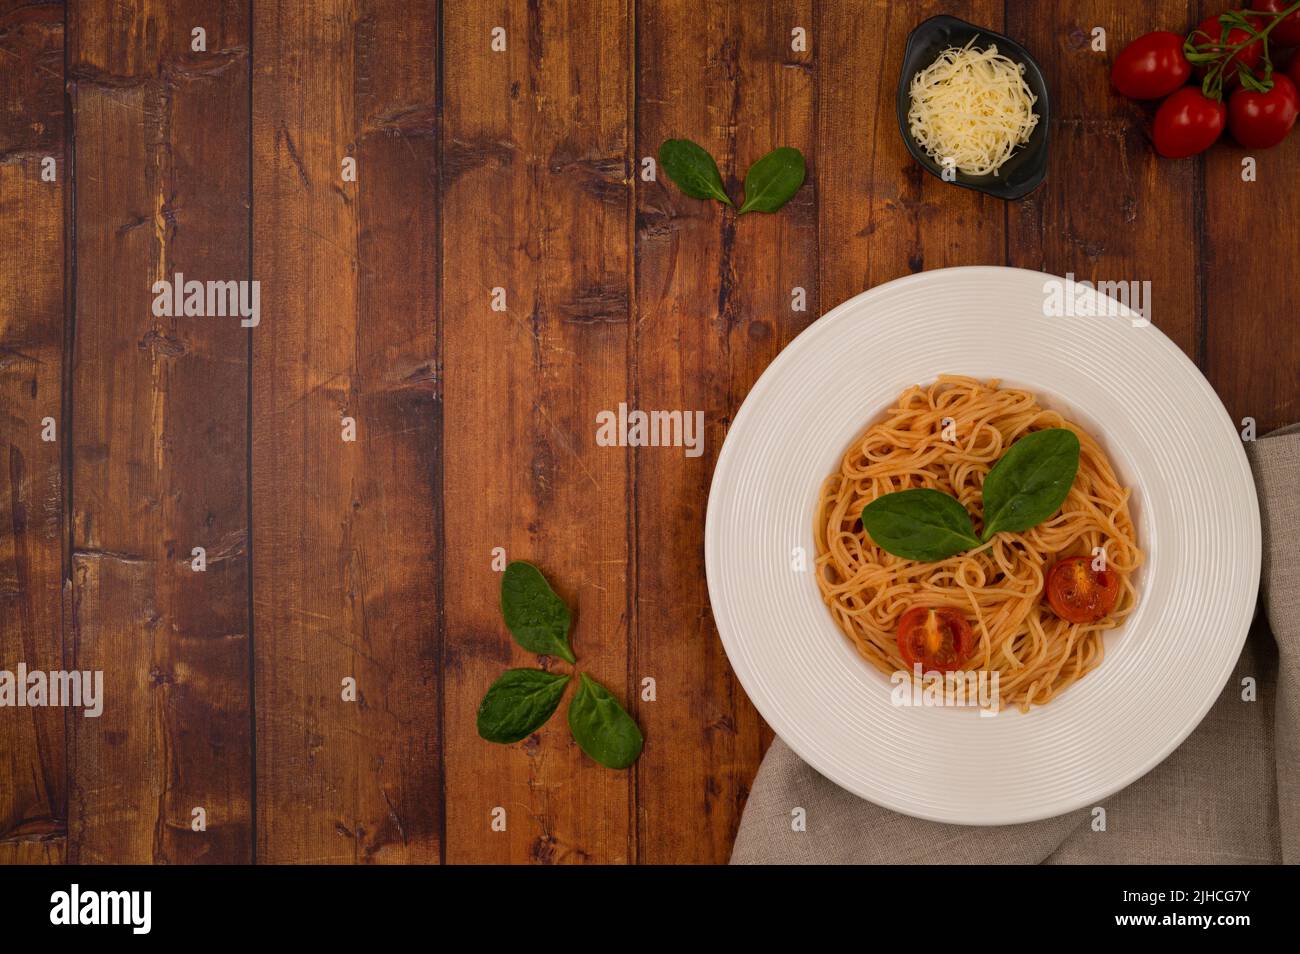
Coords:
pixel 476 170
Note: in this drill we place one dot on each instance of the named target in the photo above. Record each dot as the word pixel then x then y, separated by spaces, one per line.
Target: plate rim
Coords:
pixel 986 816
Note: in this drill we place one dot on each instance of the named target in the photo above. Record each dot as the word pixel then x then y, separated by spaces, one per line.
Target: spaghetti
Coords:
pixel 947 437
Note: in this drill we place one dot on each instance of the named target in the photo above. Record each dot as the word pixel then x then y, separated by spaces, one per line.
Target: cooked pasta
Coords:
pixel 947 436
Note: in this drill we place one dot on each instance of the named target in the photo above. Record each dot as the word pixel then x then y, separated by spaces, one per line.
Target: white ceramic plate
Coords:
pixel 1194 503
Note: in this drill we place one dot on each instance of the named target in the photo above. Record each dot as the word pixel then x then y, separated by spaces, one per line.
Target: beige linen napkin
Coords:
pixel 1230 794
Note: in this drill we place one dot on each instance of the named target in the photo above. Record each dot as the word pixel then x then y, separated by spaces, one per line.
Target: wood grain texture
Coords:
pixel 1249 236
pixel 344 532
pixel 1111 208
pixel 1252 297
pixel 33 781
pixel 715 303
pixel 373 560
pixel 880 215
pixel 159 437
pixel 536 183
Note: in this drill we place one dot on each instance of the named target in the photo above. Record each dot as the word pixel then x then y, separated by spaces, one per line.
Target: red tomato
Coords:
pixel 1188 122
pixel 1262 120
pixel 935 637
pixel 1208 37
pixel 1078 593
pixel 1293 71
pixel 1286 33
pixel 1151 66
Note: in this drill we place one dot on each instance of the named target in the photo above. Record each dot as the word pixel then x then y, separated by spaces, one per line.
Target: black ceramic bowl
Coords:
pixel 1027 167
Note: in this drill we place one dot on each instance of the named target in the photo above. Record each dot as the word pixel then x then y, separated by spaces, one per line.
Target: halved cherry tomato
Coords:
pixel 1079 594
pixel 1151 66
pixel 1208 37
pixel 1188 122
pixel 1286 33
pixel 1262 120
pixel 936 637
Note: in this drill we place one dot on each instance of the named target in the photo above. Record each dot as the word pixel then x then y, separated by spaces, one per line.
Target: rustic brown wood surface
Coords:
pixel 345 533
pixel 33 501
pixel 498 272
pixel 535 203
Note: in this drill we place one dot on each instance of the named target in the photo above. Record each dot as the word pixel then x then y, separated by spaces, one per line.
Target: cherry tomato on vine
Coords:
pixel 1286 33
pixel 1151 66
pixel 1188 122
pixel 1261 120
pixel 1208 38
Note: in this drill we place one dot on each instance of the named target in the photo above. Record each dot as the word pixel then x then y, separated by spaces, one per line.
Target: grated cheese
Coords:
pixel 971 109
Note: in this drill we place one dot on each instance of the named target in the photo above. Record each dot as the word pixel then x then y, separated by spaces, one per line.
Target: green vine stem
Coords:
pixel 1221 55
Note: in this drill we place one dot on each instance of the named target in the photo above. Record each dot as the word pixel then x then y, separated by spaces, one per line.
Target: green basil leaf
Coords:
pixel 772 180
pixel 690 166
pixel 519 703
pixel 919 524
pixel 1031 481
pixel 536 617
pixel 602 727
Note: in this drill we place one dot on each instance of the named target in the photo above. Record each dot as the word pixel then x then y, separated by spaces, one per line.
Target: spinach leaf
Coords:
pixel 772 180
pixel 1031 481
pixel 602 727
pixel 519 703
pixel 693 170
pixel 536 617
pixel 919 524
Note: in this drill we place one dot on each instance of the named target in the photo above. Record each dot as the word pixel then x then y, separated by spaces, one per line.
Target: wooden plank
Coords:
pixel 346 579
pixel 882 216
pixel 714 306
pixel 1111 209
pixel 535 173
pixel 159 438
pixel 1249 233
pixel 33 796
